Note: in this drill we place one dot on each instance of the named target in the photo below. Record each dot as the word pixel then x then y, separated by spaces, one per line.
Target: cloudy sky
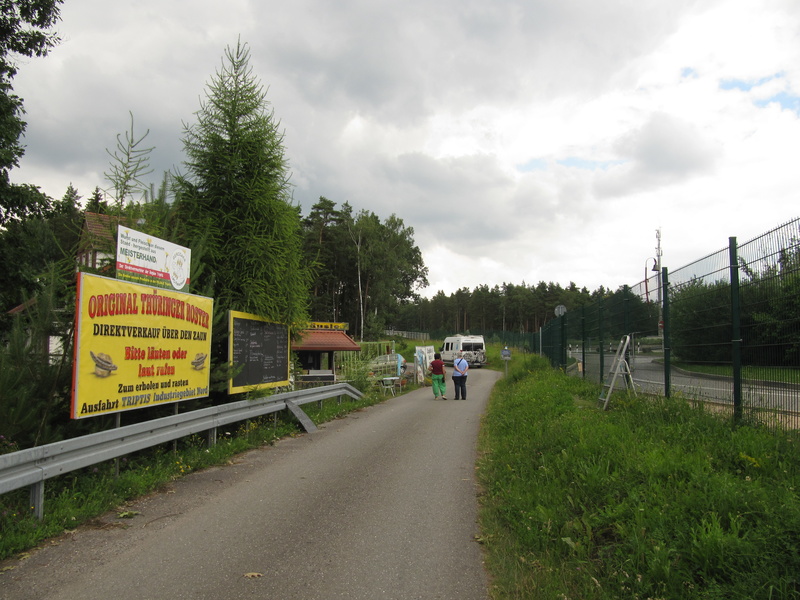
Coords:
pixel 523 140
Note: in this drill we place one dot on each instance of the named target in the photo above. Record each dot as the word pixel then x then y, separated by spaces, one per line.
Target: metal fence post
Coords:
pixel 736 332
pixel 626 310
pixel 583 341
pixel 600 340
pixel 665 318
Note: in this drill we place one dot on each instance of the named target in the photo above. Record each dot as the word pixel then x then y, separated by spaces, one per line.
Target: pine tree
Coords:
pixel 236 197
pixel 37 296
pixel 129 163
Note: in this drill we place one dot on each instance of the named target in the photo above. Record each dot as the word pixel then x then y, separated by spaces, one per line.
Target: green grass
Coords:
pixel 78 497
pixel 495 360
pixel 654 499
pixel 779 374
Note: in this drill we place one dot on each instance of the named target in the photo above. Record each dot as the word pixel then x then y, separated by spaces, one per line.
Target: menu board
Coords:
pixel 259 351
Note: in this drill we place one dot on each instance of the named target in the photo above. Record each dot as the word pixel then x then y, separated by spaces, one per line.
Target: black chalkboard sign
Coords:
pixel 260 350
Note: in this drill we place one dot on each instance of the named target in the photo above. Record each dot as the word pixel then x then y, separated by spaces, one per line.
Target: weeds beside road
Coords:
pixel 654 499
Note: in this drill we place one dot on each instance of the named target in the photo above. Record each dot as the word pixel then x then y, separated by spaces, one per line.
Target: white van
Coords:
pixel 472 347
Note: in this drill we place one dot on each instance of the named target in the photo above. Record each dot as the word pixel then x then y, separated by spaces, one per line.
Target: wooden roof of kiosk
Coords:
pixel 325 340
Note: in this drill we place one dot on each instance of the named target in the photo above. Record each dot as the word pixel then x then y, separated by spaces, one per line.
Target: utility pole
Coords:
pixel 658 265
pixel 658 262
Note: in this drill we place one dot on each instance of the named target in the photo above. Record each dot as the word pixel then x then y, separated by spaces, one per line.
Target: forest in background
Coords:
pixel 232 204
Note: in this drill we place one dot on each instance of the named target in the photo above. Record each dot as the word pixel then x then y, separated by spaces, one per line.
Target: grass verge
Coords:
pixel 778 374
pixel 656 499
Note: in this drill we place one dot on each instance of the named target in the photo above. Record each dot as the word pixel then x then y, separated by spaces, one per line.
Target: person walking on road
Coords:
pixel 460 368
pixel 436 369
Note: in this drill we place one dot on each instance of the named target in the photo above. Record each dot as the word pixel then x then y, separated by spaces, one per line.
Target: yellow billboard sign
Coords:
pixel 329 325
pixel 137 346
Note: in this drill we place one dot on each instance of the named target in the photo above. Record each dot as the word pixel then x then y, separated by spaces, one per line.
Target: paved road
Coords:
pixel 648 375
pixel 379 505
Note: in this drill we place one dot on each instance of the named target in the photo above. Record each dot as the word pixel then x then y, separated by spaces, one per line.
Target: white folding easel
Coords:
pixel 619 367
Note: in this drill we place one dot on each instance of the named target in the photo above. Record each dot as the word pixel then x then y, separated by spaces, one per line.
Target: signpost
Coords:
pixel 561 310
pixel 506 354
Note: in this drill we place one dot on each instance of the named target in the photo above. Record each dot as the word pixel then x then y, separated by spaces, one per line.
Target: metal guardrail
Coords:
pixel 33 466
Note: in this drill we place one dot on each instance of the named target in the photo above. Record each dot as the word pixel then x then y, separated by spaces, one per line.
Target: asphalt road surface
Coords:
pixel 379 505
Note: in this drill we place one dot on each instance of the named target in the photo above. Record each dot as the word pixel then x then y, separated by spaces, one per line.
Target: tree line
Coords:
pixel 231 203
pixel 518 308
pixel 767 308
pixel 252 248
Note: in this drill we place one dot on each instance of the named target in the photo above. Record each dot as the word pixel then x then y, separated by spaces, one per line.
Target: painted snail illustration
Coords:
pixel 199 360
pixel 103 364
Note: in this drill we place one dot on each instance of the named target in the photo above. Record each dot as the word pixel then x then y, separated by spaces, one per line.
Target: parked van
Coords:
pixel 472 347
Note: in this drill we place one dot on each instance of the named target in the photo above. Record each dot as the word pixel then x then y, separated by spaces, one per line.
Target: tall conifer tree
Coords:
pixel 237 197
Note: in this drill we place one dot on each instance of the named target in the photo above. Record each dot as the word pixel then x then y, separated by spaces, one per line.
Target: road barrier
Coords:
pixel 33 466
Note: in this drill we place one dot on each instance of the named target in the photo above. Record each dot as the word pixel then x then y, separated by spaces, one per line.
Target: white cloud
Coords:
pixel 521 139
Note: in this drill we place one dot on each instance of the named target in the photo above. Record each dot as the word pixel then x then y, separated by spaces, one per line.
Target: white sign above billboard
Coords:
pixel 148 260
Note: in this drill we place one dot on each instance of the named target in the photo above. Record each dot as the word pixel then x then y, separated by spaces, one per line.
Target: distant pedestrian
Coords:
pixel 460 368
pixel 436 369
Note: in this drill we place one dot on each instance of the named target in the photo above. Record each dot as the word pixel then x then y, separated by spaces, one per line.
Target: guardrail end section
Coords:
pixel 301 416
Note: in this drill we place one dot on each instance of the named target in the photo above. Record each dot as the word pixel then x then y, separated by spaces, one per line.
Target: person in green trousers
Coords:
pixel 436 369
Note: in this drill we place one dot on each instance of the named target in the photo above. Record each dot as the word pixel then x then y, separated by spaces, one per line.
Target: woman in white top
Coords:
pixel 460 368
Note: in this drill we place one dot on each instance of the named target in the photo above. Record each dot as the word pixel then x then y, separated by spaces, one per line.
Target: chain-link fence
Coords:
pixel 724 329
